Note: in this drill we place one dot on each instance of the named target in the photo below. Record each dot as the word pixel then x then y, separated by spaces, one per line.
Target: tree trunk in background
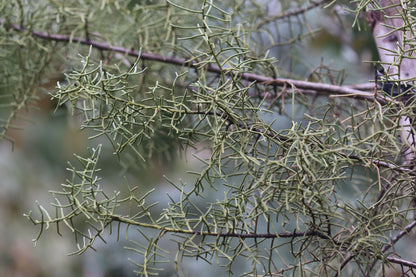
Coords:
pixel 394 39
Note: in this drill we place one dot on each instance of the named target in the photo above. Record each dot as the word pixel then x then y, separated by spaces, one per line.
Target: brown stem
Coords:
pixel 277 82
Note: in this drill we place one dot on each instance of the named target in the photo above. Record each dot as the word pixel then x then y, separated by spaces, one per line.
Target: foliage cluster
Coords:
pixel 292 169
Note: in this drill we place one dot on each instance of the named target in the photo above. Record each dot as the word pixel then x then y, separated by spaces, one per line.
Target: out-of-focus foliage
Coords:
pixel 259 178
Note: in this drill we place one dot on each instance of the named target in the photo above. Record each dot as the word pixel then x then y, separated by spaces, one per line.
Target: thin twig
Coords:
pixel 294 234
pixel 283 138
pixel 384 164
pixel 344 263
pixel 401 262
pixel 406 231
pixel 395 239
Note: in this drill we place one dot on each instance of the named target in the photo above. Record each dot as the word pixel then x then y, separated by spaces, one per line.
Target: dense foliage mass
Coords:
pixel 284 169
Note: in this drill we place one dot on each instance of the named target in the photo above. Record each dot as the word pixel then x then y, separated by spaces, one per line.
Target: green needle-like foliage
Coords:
pixel 150 79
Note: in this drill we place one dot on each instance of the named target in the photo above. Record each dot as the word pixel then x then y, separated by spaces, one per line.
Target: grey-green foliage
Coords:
pixel 283 203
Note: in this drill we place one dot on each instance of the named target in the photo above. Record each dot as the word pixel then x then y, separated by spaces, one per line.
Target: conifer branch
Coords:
pixel 297 85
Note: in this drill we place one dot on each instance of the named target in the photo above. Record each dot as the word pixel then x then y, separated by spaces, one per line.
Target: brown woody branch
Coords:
pixel 401 262
pixel 294 234
pixel 296 85
pixel 332 90
pixel 395 239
